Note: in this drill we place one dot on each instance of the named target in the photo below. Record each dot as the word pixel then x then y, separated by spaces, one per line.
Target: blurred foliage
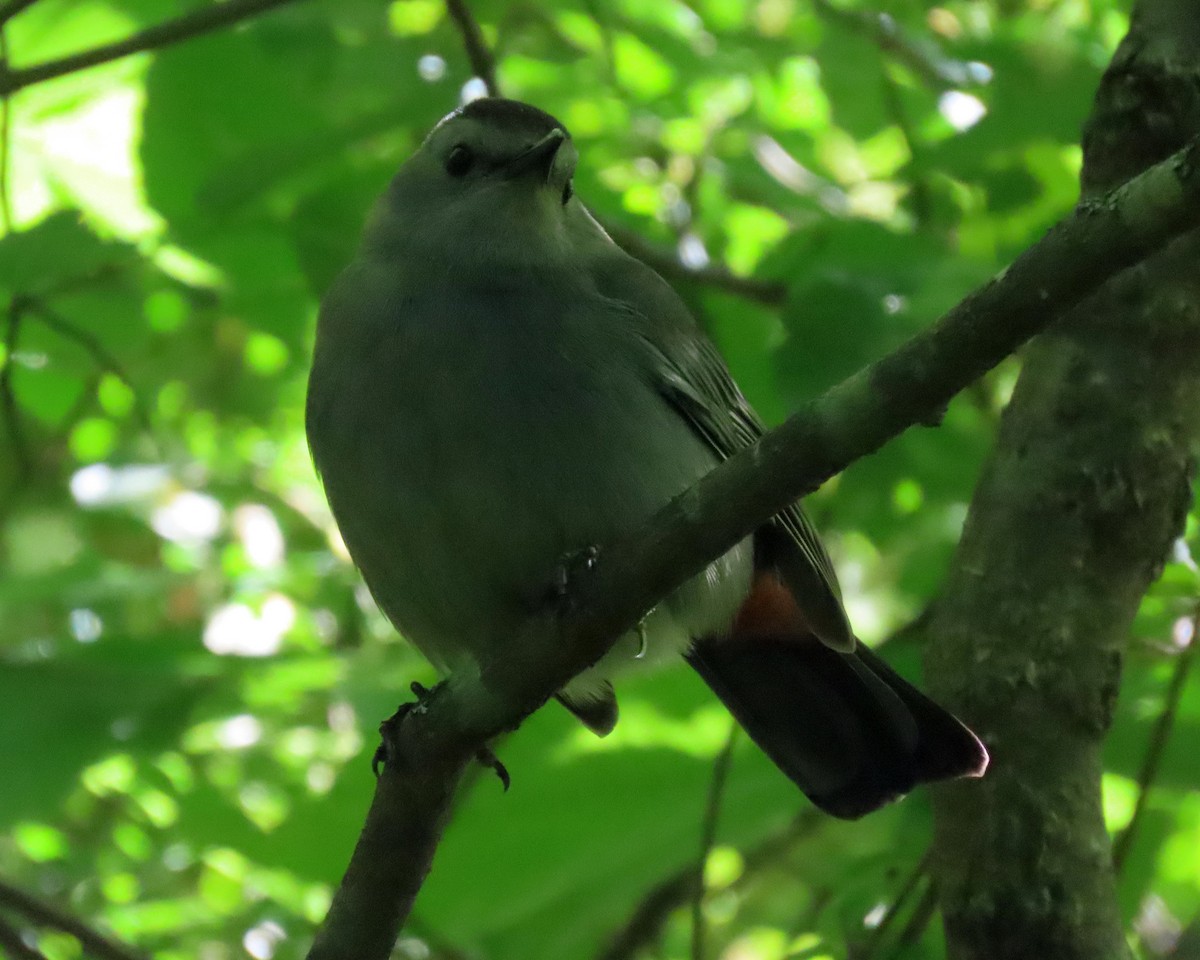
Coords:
pixel 190 671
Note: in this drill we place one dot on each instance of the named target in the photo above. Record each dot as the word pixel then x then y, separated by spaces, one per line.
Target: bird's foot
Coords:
pixel 380 758
pixel 382 755
pixel 486 758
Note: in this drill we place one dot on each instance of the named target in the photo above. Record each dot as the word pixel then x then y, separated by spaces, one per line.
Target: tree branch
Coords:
pixel 185 27
pixel 483 63
pixel 708 836
pixel 38 912
pixel 646 922
pixel 1158 743
pixel 100 355
pixel 922 57
pixel 14 946
pixel 11 8
pixel 1088 486
pixel 429 748
pixel 768 292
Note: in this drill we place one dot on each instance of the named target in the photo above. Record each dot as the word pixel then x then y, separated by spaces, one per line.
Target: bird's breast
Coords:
pixel 480 439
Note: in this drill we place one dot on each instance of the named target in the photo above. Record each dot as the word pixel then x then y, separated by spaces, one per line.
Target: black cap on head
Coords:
pixel 514 114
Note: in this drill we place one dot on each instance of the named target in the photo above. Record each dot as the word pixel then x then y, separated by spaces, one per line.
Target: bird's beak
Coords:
pixel 539 157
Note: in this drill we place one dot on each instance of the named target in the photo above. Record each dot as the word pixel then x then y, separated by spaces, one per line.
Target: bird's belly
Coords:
pixel 459 503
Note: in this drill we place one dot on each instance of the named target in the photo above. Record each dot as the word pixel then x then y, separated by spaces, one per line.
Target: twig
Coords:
pixel 478 52
pixel 11 8
pixel 1158 742
pixel 36 911
pixel 666 262
pixel 922 205
pixel 181 28
pixel 429 749
pixel 922 913
pixel 99 353
pixel 882 30
pixel 646 923
pixel 5 145
pixel 708 835
pixel 907 889
pixel 8 397
pixel 14 947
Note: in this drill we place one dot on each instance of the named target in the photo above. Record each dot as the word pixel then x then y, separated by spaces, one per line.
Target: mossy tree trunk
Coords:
pixel 1076 512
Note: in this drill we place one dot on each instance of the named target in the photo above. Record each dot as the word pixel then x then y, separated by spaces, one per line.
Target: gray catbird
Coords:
pixel 496 385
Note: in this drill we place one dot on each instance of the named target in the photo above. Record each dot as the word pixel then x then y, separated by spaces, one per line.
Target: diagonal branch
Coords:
pixel 13 945
pixel 770 293
pixel 185 27
pixel 11 8
pixel 99 353
pixel 483 61
pixel 645 924
pixel 429 749
pixel 38 912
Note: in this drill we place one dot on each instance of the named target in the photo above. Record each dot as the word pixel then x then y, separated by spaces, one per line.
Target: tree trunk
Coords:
pixel 1076 511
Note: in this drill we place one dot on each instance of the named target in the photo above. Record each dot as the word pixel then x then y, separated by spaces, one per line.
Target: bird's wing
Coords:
pixel 693 377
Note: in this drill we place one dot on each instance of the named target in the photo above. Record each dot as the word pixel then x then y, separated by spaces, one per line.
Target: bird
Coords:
pixel 497 385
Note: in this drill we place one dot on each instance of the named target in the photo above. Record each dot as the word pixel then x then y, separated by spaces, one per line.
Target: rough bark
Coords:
pixel 1088 486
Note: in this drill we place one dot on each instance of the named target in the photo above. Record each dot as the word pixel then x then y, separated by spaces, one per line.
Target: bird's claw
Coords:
pixel 379 758
pixel 486 758
pixel 421 705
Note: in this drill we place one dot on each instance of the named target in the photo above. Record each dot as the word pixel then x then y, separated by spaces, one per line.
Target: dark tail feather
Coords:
pixel 845 727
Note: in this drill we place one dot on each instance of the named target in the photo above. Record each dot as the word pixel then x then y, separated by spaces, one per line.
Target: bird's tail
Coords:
pixel 845 727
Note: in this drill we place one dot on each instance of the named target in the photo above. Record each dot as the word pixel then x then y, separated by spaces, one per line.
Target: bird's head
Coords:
pixel 492 182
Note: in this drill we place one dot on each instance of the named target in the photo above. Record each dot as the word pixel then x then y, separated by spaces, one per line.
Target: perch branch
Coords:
pixel 430 748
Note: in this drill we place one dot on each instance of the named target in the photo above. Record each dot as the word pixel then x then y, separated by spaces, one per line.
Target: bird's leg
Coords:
pixel 421 705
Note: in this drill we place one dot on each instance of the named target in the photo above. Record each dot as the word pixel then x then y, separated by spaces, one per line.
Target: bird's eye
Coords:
pixel 568 192
pixel 459 161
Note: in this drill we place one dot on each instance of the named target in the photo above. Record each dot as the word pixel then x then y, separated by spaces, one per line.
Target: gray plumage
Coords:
pixel 496 386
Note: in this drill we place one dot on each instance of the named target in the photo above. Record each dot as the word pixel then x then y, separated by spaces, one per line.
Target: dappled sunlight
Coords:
pixel 192 670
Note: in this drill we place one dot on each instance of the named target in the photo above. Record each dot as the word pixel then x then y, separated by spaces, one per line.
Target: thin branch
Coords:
pixel 666 262
pixel 645 924
pixel 483 63
pixel 708 835
pixel 923 58
pixel 1158 742
pixel 5 137
pixel 99 353
pixel 922 913
pixel 11 8
pixel 39 912
pixel 8 397
pixel 922 203
pixel 910 885
pixel 429 749
pixel 185 27
pixel 650 916
pixel 13 945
